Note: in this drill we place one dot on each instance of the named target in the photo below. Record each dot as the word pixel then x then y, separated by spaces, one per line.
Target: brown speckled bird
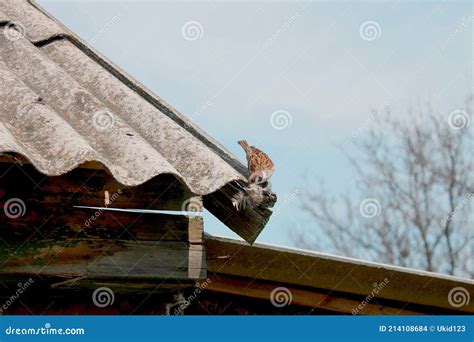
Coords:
pixel 260 165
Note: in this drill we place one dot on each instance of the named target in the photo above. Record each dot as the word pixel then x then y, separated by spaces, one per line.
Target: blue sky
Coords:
pixel 311 62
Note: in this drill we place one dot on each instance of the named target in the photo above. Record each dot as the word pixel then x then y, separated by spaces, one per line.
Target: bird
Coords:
pixel 252 196
pixel 260 165
pixel 258 192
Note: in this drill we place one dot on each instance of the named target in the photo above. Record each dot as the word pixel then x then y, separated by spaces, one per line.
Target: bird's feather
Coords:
pixel 259 163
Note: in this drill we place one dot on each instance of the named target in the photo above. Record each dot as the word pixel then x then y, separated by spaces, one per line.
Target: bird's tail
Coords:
pixel 244 145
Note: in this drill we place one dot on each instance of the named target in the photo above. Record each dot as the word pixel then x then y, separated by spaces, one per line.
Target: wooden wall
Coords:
pixel 45 236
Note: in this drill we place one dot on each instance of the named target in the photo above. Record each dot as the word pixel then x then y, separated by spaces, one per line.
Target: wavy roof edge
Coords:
pixel 151 97
pixel 42 29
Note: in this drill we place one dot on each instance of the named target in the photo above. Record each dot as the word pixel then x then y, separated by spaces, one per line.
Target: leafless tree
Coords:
pixel 413 196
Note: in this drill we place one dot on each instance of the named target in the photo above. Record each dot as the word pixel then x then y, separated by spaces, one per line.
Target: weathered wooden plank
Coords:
pixel 97 259
pixel 196 230
pixel 46 207
pixel 58 222
pixel 54 296
pixel 247 223
pixel 255 288
pixel 314 270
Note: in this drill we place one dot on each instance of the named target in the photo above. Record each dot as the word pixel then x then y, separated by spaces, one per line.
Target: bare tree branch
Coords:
pixel 420 172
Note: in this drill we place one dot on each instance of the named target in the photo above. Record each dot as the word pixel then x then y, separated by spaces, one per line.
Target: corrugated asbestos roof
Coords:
pixel 62 104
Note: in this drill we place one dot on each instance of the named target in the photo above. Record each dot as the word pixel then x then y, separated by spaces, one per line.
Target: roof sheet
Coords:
pixel 60 107
pixel 31 22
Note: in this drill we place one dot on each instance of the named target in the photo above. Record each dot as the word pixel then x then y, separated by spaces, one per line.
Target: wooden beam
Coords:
pixel 47 207
pixel 248 223
pixel 51 222
pixel 106 259
pixel 327 272
pixel 310 298
pixel 56 296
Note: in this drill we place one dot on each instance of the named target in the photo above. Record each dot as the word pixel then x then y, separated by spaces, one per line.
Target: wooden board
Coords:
pixel 327 272
pixel 47 207
pixel 109 259
pixel 310 298
pixel 247 223
pixel 58 223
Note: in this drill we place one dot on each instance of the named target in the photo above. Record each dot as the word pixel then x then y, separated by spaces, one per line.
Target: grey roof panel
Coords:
pixel 123 151
pixel 111 123
pixel 34 24
pixel 199 166
pixel 29 127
